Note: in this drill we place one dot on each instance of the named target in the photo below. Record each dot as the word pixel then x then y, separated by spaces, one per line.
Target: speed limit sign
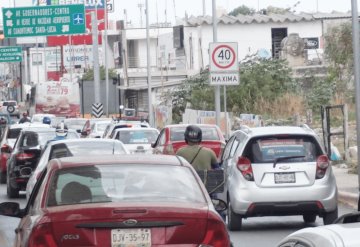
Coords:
pixel 224 68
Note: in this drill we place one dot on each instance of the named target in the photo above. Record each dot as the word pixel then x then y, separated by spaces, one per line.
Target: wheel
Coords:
pixel 2 177
pixel 234 219
pixel 330 217
pixel 10 108
pixel 11 192
pixel 309 218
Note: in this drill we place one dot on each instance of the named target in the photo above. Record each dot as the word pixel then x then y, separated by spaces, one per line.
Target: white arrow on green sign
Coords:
pixel 10 54
pixel 44 20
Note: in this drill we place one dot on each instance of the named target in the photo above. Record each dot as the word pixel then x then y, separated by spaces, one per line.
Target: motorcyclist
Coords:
pixel 24 118
pixel 201 158
pixel 46 120
pixel 61 131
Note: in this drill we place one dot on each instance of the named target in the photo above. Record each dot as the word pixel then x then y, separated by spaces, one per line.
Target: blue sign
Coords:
pixel 78 19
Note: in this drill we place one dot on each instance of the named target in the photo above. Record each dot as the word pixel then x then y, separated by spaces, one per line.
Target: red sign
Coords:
pixel 80 39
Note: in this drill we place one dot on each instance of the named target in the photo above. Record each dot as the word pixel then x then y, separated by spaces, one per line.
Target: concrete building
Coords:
pixel 181 51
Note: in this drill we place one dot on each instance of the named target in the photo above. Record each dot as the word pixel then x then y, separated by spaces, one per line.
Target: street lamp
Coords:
pixel 121 108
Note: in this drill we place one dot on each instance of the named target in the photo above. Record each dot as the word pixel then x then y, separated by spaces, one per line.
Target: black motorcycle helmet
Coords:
pixel 193 134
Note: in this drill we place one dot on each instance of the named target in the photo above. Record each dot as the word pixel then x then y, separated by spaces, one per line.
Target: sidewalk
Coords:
pixel 348 186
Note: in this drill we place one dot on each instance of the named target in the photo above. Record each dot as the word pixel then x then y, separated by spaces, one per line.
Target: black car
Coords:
pixel 25 156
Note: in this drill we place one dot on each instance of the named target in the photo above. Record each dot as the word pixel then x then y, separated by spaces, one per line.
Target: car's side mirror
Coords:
pixel 348 218
pixel 10 209
pixel 84 133
pixel 153 145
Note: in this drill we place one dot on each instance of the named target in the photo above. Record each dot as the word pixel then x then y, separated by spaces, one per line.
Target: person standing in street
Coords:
pixel 24 118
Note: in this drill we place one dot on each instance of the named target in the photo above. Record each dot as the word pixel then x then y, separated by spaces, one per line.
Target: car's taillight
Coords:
pixel 24 156
pixel 42 236
pixel 216 234
pixel 244 166
pixel 322 163
pixel 5 148
pixel 169 149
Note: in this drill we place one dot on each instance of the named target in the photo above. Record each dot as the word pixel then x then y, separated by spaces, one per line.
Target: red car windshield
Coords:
pixel 208 134
pixel 125 182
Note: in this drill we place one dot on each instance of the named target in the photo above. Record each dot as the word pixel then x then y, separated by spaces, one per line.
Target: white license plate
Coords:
pixel 130 238
pixel 284 177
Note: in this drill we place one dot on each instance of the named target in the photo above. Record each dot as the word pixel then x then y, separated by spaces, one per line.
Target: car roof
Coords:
pixel 135 128
pixel 44 129
pixel 84 140
pixel 185 125
pixel 150 159
pixel 277 130
pixel 29 125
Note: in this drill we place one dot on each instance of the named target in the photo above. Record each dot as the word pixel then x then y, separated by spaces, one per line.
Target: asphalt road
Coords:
pixel 262 231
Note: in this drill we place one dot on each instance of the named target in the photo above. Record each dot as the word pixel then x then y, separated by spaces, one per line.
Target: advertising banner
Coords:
pixel 59 98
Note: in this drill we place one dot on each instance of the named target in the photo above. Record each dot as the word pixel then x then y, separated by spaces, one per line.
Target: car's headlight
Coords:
pixel 294 243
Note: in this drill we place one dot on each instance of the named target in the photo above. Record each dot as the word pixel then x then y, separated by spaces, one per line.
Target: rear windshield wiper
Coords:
pixel 286 158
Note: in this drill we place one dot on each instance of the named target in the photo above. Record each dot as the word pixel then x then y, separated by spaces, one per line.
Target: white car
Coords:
pixel 137 140
pixel 73 147
pixel 11 107
pixel 38 118
pixel 341 234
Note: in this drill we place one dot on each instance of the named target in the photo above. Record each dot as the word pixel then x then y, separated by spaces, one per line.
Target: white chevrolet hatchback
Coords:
pixel 276 171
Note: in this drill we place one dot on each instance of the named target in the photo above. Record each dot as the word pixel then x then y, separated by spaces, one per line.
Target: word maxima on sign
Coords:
pixel 224 78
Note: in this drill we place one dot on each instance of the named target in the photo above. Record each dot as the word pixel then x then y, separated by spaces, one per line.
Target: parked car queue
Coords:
pixel 255 160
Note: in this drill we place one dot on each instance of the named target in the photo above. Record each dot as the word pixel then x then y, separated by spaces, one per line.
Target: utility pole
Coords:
pixel 94 30
pixel 356 49
pixel 106 61
pixel 217 87
pixel 151 122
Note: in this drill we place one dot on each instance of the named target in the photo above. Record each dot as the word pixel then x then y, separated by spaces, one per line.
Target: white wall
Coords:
pixel 250 37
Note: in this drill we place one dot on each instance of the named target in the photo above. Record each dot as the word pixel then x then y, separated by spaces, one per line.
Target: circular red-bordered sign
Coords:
pixel 231 63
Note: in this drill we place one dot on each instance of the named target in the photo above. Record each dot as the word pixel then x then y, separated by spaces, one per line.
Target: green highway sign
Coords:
pixel 10 54
pixel 44 20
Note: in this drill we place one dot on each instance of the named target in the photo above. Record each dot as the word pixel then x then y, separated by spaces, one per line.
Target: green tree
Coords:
pixel 339 53
pixel 261 81
pixel 274 10
pixel 243 10
pixel 89 74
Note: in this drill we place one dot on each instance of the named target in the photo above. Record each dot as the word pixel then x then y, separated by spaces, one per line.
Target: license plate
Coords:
pixel 130 238
pixel 284 177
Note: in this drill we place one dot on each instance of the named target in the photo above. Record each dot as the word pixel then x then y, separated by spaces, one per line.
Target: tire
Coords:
pixel 309 218
pixel 234 219
pixel 10 108
pixel 2 177
pixel 330 217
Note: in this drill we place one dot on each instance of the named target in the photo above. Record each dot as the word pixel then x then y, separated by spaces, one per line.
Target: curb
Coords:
pixel 350 199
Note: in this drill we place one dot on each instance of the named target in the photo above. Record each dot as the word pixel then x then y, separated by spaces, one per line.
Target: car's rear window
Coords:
pixel 124 183
pixel 13 133
pixel 86 148
pixel 271 148
pixel 208 134
pixel 7 103
pixel 137 136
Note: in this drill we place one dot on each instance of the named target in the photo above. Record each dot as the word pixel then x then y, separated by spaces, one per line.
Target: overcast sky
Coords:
pixel 195 7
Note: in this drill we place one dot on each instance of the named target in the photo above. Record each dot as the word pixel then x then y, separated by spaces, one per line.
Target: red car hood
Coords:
pixel 91 224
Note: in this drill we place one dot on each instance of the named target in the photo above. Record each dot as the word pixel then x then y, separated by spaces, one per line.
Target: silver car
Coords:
pixel 341 234
pixel 275 171
pixel 74 147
